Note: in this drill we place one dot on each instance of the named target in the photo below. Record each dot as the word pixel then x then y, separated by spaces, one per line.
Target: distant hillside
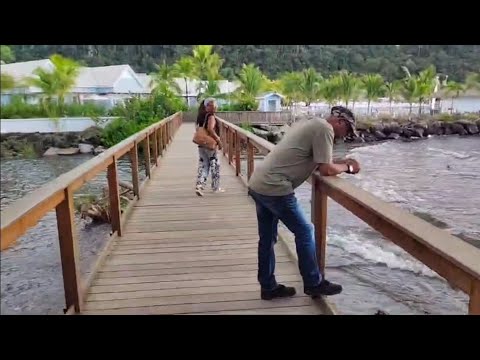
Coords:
pixel 453 60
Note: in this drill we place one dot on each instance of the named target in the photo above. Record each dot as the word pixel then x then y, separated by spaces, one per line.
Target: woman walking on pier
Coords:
pixel 208 158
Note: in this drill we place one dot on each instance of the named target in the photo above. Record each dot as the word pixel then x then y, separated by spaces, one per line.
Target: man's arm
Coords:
pixel 332 169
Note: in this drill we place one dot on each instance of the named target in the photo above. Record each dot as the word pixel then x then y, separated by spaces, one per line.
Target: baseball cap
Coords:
pixel 344 113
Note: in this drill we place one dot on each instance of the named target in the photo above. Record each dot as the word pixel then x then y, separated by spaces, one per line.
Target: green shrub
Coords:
pixel 137 114
pixel 19 109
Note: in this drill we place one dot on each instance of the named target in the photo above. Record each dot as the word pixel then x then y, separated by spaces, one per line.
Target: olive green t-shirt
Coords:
pixel 307 144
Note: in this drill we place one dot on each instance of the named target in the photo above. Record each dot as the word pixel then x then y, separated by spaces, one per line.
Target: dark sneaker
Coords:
pixel 280 291
pixel 325 288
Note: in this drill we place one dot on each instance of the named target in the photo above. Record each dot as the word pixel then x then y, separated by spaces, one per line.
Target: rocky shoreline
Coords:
pixel 388 129
pixel 18 145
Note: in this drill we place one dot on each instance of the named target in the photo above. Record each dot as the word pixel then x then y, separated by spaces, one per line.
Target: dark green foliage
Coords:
pixel 454 60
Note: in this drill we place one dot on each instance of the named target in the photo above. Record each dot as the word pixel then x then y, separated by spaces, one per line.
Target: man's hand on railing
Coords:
pixel 219 144
pixel 355 165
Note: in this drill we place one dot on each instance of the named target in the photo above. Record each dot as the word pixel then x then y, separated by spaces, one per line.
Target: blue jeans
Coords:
pixel 270 209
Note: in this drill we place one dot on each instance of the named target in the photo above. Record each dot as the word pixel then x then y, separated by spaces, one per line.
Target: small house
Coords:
pixel 270 102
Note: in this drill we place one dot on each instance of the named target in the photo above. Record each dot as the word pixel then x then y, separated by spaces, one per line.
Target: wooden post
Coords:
pixel 319 220
pixel 69 252
pixel 115 210
pixel 230 146
pixel 238 164
pixel 146 149
pixel 155 147
pixel 164 136
pixel 474 304
pixel 159 141
pixel 250 158
pixel 224 139
pixel 134 165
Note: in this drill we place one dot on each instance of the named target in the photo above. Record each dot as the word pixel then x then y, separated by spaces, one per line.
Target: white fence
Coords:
pixel 47 125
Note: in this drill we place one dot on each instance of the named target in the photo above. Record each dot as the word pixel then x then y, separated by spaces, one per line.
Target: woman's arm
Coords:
pixel 211 128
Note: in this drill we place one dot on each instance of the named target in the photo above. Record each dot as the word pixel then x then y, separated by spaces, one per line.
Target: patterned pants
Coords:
pixel 208 161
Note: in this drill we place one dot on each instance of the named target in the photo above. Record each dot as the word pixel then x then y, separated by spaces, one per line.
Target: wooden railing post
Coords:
pixel 69 252
pixel 146 149
pixel 474 304
pixel 224 139
pixel 134 165
pixel 155 146
pixel 319 220
pixel 115 210
pixel 250 158
pixel 230 145
pixel 238 164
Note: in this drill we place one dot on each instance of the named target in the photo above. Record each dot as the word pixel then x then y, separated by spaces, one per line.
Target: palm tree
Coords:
pixel 290 86
pixel 252 81
pixel 164 78
pixel 207 63
pixel 391 90
pixel 7 82
pixel 310 86
pixel 473 81
pixel 185 67
pixel 426 81
pixel 56 83
pixel 409 91
pixel 347 84
pixel 374 86
pixel 454 88
pixel 66 71
pixel 330 90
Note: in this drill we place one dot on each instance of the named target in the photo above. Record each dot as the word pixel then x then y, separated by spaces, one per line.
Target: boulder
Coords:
pixel 435 128
pixel 393 136
pixel 408 132
pixel 92 135
pixel 85 148
pixel 379 135
pixel 52 151
pixel 457 128
pixel 68 151
pixel 98 150
pixel 472 129
pixel 261 133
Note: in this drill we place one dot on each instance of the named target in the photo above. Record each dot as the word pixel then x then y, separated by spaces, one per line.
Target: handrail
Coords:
pixel 58 194
pixel 452 258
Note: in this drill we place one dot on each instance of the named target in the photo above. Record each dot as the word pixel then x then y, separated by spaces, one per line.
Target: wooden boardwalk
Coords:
pixel 184 254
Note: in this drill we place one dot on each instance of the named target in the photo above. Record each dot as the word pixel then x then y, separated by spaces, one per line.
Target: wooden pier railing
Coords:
pixel 455 260
pixel 58 195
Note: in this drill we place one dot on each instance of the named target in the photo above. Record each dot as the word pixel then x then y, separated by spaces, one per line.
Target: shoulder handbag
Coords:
pixel 203 138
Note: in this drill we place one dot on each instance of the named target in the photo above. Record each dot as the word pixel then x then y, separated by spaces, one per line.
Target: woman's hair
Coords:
pixel 202 110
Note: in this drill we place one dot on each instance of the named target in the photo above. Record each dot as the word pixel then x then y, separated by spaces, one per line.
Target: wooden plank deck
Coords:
pixel 184 254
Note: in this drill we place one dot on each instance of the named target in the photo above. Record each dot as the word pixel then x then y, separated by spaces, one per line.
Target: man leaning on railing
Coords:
pixel 306 146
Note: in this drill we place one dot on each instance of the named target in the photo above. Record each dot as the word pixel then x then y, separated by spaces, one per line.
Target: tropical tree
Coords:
pixel 164 78
pixel 392 89
pixel 185 67
pixel 290 84
pixel 473 81
pixel 347 84
pixel 7 82
pixel 330 90
pixel 374 86
pixel 6 54
pixel 454 88
pixel 310 86
pixel 426 81
pixel 207 63
pixel 252 80
pixel 56 83
pixel 409 91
